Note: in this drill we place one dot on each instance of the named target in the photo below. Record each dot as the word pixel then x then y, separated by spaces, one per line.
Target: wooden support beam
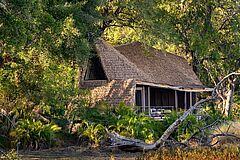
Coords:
pixel 149 102
pixel 176 100
pixel 191 100
pixel 143 99
pixel 185 100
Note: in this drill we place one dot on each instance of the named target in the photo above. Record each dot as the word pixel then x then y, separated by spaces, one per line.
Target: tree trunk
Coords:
pixel 229 100
pixel 179 121
pixel 129 143
pixel 120 141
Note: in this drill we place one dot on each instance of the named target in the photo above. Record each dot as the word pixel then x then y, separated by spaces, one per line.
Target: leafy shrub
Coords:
pixel 138 126
pixel 188 127
pixel 32 88
pixel 5 126
pixel 120 119
pixel 192 123
pixel 34 134
pixel 123 120
pixel 94 132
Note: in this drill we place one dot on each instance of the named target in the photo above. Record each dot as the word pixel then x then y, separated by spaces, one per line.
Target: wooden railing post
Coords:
pixel 176 100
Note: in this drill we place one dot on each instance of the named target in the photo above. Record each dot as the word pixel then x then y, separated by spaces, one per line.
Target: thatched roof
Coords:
pixel 145 64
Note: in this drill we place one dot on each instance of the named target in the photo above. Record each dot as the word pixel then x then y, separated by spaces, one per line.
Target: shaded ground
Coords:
pixel 82 153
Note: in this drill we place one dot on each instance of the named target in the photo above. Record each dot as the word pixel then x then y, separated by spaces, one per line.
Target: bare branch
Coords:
pixel 203 139
pixel 215 90
pixel 200 130
pixel 227 20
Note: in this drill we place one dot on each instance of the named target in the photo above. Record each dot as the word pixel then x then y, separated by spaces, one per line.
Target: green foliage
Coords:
pixel 42 44
pixel 120 119
pixel 45 93
pixel 124 121
pixel 57 27
pixel 34 134
pixel 94 132
pixel 139 126
pixel 192 123
pixel 206 33
pixel 188 127
pixel 5 127
pixel 235 115
pixel 36 37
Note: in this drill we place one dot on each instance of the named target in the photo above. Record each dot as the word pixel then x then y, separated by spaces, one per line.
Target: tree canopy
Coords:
pixel 205 32
pixel 34 33
pixel 43 43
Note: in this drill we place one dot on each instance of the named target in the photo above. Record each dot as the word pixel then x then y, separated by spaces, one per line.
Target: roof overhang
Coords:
pixel 178 88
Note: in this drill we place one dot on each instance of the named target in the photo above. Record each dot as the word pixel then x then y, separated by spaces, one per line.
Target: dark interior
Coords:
pixel 95 70
pixel 164 97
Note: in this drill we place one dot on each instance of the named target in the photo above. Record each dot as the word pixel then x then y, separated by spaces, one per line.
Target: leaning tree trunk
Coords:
pixel 174 125
pixel 229 100
pixel 120 141
pixel 123 142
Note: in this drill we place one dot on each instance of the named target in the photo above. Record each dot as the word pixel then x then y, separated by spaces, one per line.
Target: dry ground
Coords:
pixel 83 153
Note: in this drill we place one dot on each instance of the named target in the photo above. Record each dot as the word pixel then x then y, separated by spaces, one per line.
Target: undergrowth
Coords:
pixel 123 120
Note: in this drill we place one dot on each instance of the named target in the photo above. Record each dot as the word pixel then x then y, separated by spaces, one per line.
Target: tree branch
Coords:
pixel 123 141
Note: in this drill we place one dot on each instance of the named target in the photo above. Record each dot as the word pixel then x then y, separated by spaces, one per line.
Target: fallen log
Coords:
pixel 129 143
pixel 124 142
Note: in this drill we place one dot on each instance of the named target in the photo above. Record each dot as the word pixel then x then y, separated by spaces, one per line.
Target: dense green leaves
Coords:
pixel 57 28
pixel 206 33
pixel 120 119
pixel 34 134
pixel 43 43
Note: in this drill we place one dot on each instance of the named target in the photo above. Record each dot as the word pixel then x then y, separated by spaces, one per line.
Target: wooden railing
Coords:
pixel 157 112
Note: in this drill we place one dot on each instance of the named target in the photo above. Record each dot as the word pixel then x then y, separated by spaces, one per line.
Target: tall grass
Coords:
pixel 216 153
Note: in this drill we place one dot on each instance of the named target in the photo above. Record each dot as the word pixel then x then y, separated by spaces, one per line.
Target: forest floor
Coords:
pixel 221 152
pixel 76 152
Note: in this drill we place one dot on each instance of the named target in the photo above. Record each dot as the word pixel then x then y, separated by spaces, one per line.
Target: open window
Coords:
pixel 95 70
